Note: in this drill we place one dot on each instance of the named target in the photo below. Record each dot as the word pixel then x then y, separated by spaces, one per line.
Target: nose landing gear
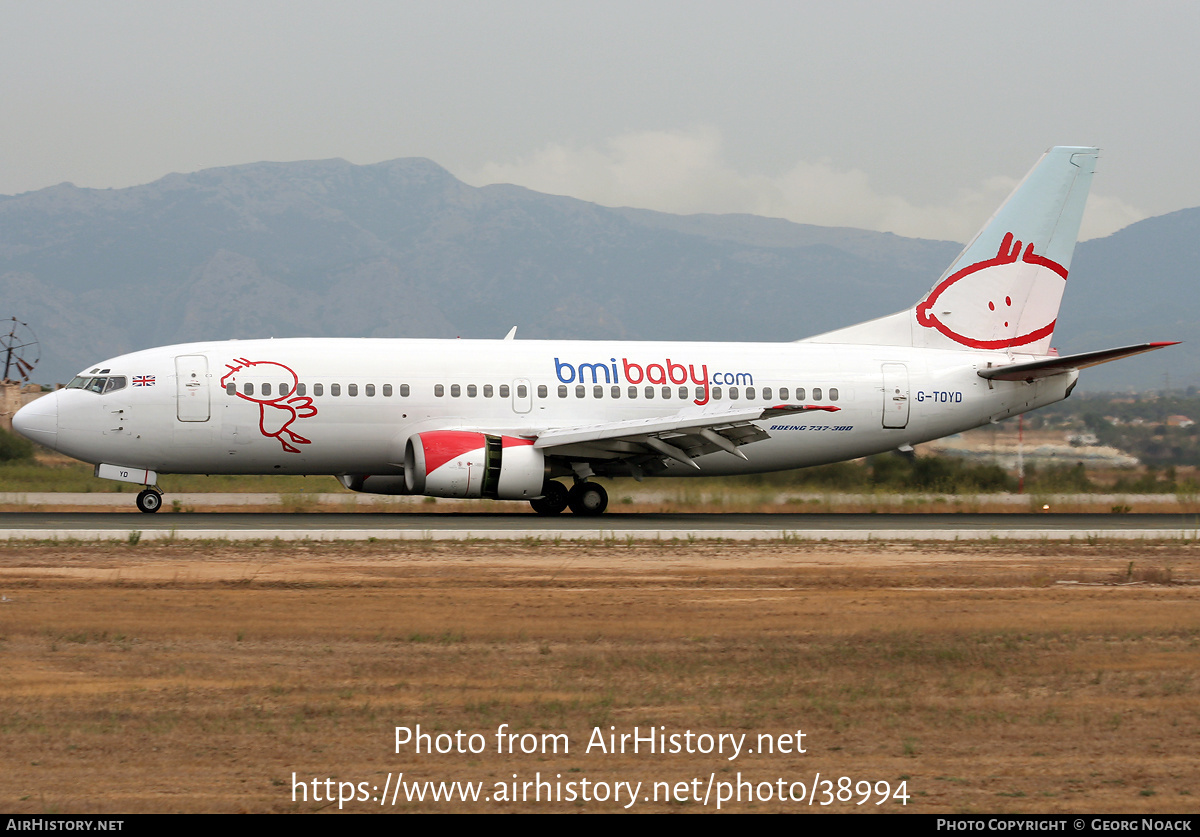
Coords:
pixel 149 501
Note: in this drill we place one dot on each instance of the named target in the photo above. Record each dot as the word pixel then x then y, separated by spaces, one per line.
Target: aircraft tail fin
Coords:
pixel 1004 289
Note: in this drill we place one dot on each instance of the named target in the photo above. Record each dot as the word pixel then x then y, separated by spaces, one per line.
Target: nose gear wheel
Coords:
pixel 149 501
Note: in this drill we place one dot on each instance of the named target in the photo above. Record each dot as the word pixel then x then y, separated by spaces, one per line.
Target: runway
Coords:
pixel 735 527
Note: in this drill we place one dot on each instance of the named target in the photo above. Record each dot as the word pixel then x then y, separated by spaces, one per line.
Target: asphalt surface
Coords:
pixel 355 526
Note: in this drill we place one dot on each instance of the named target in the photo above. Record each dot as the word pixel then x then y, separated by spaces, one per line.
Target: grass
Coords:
pixel 77 477
pixel 764 493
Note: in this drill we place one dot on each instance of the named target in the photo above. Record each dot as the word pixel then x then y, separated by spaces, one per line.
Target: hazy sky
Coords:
pixel 913 117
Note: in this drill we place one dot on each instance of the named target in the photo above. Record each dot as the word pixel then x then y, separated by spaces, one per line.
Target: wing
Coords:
pixel 642 444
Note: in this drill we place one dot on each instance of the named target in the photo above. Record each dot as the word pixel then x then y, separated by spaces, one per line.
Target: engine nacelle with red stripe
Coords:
pixel 466 463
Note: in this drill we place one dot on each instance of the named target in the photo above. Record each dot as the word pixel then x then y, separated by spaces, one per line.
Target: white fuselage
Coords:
pixel 180 417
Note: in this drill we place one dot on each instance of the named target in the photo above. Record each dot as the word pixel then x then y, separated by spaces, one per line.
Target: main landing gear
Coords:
pixel 553 500
pixel 586 498
pixel 149 500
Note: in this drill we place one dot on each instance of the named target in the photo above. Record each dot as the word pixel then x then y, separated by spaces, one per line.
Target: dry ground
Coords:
pixel 190 677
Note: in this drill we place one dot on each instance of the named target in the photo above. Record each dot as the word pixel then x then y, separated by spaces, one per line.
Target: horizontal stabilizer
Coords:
pixel 1035 369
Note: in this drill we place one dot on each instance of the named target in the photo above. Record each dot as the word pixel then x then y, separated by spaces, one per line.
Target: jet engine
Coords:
pixel 464 463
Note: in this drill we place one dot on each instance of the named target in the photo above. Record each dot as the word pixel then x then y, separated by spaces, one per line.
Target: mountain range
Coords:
pixel 404 249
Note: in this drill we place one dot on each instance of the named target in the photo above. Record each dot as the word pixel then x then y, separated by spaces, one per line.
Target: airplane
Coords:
pixel 508 419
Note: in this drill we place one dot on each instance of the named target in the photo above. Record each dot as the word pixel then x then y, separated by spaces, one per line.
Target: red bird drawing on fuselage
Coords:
pixel 275 415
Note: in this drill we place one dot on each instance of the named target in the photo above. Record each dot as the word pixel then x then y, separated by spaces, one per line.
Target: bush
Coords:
pixel 893 472
pixel 1059 479
pixel 14 448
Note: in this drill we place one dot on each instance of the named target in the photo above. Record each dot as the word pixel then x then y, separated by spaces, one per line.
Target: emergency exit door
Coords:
pixel 895 395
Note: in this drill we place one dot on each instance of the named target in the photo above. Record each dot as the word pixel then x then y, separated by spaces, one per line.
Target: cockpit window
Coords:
pixel 100 384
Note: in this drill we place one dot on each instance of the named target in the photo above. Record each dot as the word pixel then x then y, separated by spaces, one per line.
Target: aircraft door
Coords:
pixel 895 395
pixel 191 388
pixel 522 396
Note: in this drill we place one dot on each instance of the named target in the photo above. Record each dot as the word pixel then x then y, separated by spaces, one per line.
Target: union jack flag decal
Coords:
pixel 143 380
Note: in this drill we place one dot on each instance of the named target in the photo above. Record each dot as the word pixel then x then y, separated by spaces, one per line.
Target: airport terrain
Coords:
pixel 1002 678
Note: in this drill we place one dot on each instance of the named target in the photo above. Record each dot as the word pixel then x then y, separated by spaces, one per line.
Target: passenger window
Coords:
pixel 616 392
pixel 699 393
pixel 488 392
pixel 283 390
pixel 597 391
pixel 766 393
pixel 683 392
pixel 666 392
pixel 733 393
pixel 633 392
pixel 833 394
pixel 370 390
pixel 301 389
pixel 387 390
pixel 799 393
pixel 266 389
pixel 455 391
pixel 472 391
pixel 522 391
pixel 231 389
pixel 352 390
pixel 318 389
pixel 580 391
pixel 248 389
pixel 783 393
pixel 562 390
pixel 335 389
pixel 439 390
pixel 816 393
pixel 749 393
pixel 404 390
pixel 649 392
pixel 716 393
pixel 504 390
pixel 542 391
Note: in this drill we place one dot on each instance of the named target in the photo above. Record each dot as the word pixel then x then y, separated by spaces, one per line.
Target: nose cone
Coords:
pixel 38 420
